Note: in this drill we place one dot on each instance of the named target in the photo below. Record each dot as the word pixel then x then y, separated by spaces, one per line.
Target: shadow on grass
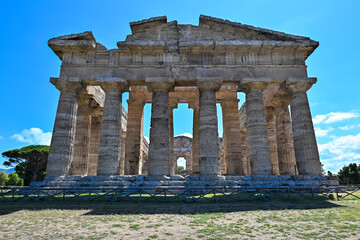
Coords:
pixel 180 206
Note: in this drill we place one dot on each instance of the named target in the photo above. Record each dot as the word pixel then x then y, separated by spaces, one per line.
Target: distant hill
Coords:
pixel 9 170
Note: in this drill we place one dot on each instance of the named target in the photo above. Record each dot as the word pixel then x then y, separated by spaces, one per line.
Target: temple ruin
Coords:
pixel 165 64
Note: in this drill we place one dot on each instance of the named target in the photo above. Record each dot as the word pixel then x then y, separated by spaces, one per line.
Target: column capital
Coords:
pixel 66 83
pixel 173 105
pixel 257 84
pixel 193 105
pixel 298 85
pixel 160 83
pixel 112 83
pixel 209 83
pixel 280 99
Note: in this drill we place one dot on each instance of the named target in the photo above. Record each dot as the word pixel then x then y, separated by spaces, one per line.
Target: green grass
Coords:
pixel 303 218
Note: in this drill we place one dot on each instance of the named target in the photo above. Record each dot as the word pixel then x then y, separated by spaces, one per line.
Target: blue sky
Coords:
pixel 29 101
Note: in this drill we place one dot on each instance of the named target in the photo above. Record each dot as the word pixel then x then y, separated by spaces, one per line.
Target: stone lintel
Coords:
pixel 299 84
pixel 209 83
pixel 160 83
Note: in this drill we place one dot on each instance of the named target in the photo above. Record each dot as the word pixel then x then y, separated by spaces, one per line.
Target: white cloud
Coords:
pixel 33 136
pixel 340 151
pixel 334 117
pixel 1 138
pixel 322 132
pixel 347 127
pixel 189 135
pixel 319 119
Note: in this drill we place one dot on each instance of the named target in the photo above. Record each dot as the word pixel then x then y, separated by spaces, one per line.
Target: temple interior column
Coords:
pixel 195 139
pixel 134 136
pixel 94 142
pixel 110 135
pixel 159 148
pixel 231 135
pixel 305 146
pixel 273 146
pixel 80 163
pixel 171 122
pixel 61 150
pixel 287 163
pixel 257 135
pixel 244 154
pixel 209 157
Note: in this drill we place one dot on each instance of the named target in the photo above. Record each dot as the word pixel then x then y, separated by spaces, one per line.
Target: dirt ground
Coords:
pixel 119 220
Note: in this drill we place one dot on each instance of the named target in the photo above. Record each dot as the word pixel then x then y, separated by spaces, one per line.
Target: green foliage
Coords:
pixel 30 162
pixel 3 178
pixel 349 174
pixel 13 180
pixel 180 168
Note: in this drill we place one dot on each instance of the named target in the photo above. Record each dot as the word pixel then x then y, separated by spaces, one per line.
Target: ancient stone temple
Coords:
pixel 166 63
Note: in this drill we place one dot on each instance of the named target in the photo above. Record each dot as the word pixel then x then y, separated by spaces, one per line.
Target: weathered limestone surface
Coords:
pixel 166 62
pixel 62 142
pixel 195 142
pixel 94 144
pixel 257 136
pixel 159 149
pixel 271 128
pixel 306 151
pixel 110 135
pixel 80 163
pixel 134 137
pixel 231 135
pixel 208 126
pixel 284 139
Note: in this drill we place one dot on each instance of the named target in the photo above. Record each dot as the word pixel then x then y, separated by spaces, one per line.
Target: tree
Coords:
pixel 349 174
pixel 30 162
pixel 180 168
pixel 14 180
pixel 3 178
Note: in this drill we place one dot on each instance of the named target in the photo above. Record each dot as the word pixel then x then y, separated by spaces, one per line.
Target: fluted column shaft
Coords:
pixel 306 151
pixel 62 142
pixel 209 161
pixel 271 127
pixel 173 162
pixel 94 145
pixel 159 148
pixel 285 143
pixel 231 136
pixel 195 141
pixel 80 163
pixel 134 137
pixel 244 154
pixel 110 135
pixel 257 135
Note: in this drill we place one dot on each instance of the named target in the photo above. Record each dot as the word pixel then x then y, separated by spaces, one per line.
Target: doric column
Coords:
pixel 159 149
pixel 62 141
pixel 171 122
pixel 244 154
pixel 110 135
pixel 94 141
pixel 231 135
pixel 134 136
pixel 209 162
pixel 80 163
pixel 271 129
pixel 195 139
pixel 257 136
pixel 285 143
pixel 306 151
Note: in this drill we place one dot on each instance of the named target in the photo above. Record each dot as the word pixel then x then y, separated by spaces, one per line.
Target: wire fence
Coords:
pixel 176 194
